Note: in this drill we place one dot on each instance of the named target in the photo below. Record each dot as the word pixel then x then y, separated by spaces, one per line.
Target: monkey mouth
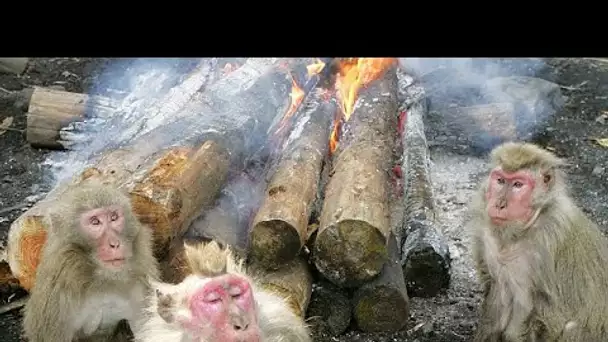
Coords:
pixel 114 262
pixel 498 220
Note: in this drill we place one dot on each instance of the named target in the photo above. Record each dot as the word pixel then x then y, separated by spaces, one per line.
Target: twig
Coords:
pixel 18 304
pixel 7 91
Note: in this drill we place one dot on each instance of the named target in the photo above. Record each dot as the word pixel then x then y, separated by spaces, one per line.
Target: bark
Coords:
pixel 291 281
pixel 383 303
pixel 51 110
pixel 350 248
pixel 15 65
pixel 171 170
pixel 279 229
pixel 425 253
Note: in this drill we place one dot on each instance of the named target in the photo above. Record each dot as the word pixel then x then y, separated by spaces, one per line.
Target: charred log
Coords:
pixel 173 171
pixel 14 65
pixel 330 311
pixel 280 227
pixel 350 248
pixel 424 249
pixel 383 303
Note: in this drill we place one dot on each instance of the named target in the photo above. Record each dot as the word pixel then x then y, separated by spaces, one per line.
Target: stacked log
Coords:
pixel 279 229
pixel 170 176
pixel 351 245
pixel 424 250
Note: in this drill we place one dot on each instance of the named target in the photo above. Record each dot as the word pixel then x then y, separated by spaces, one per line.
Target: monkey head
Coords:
pixel 220 308
pixel 523 180
pixel 99 220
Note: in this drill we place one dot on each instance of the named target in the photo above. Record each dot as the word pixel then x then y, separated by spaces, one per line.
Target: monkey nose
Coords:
pixel 239 323
pixel 115 244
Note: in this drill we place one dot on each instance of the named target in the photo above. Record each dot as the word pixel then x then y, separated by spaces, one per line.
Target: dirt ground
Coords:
pixel 448 317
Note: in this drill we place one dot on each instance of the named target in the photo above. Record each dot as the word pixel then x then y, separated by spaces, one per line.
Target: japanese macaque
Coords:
pixel 95 269
pixel 542 263
pixel 218 302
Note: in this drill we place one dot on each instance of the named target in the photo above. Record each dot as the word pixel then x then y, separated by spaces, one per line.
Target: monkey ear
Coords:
pixel 548 177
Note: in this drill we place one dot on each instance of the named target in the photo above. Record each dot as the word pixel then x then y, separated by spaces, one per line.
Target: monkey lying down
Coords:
pixel 218 302
pixel 542 263
pixel 97 270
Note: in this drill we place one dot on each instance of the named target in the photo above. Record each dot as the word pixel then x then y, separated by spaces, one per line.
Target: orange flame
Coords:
pixel 333 138
pixel 296 95
pixel 354 74
pixel 315 68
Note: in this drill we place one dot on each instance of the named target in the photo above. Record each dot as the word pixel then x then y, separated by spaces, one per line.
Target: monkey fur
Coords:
pixel 540 260
pixel 76 296
pixel 208 261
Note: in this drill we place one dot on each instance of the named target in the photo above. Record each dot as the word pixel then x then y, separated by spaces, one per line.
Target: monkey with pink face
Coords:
pixel 95 270
pixel 541 262
pixel 218 302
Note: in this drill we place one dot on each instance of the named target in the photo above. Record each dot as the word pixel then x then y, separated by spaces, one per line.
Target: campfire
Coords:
pixel 297 163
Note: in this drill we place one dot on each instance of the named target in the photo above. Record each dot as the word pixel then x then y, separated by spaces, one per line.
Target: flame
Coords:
pixel 335 134
pixel 296 95
pixel 229 67
pixel 315 68
pixel 354 74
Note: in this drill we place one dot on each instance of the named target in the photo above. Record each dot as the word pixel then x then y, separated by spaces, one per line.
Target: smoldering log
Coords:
pixel 279 229
pixel 50 110
pixel 383 303
pixel 495 120
pixel 350 248
pixel 425 254
pixel 292 281
pixel 14 65
pixel 177 148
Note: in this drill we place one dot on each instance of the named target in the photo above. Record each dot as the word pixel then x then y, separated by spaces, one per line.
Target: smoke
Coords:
pixel 477 103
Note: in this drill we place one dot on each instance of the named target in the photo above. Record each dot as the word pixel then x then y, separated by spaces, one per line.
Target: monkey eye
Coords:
pixel 213 297
pixel 518 184
pixel 94 221
pixel 500 181
pixel 114 216
pixel 235 291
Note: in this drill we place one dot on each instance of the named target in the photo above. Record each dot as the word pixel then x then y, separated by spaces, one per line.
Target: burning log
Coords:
pixel 291 281
pixel 15 65
pixel 51 110
pixel 425 253
pixel 170 185
pixel 350 248
pixel 383 303
pixel 280 227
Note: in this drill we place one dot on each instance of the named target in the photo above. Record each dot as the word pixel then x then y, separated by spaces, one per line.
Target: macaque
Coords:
pixel 218 302
pixel 95 269
pixel 541 262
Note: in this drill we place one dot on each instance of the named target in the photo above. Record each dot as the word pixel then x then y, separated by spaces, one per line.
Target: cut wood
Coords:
pixel 170 174
pixel 329 312
pixel 51 110
pixel 279 228
pixel 292 281
pixel 383 303
pixel 424 249
pixel 15 65
pixel 350 248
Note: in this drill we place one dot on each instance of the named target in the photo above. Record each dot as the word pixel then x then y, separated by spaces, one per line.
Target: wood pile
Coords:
pixel 318 212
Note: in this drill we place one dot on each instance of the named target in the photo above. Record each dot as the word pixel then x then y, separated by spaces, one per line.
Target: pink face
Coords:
pixel 509 196
pixel 224 310
pixel 104 226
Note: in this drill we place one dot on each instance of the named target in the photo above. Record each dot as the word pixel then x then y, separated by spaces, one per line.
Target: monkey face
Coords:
pixel 509 196
pixel 105 227
pixel 220 308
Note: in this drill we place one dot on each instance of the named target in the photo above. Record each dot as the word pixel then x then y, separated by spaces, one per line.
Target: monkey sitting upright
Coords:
pixel 542 263
pixel 94 272
pixel 218 302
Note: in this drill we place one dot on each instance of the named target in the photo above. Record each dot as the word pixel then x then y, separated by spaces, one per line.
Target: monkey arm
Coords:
pixel 54 300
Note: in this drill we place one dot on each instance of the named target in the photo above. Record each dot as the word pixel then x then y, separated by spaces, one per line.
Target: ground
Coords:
pixel 450 316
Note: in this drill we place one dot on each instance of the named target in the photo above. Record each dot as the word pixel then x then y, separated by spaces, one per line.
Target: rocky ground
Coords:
pixel 450 316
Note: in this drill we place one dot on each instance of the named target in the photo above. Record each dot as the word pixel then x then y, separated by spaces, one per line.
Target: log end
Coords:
pixel 29 250
pixel 273 242
pixel 381 309
pixel 426 263
pixel 350 253
pixel 329 312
